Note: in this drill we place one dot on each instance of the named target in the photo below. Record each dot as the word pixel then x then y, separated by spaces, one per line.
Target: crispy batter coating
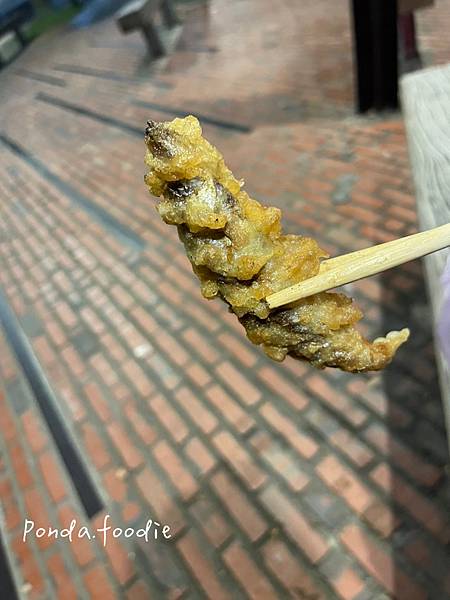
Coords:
pixel 239 253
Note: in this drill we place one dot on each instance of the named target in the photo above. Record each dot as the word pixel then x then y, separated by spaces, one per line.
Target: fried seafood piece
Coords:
pixel 239 253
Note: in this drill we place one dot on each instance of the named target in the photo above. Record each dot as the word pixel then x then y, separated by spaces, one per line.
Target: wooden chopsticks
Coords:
pixel 364 263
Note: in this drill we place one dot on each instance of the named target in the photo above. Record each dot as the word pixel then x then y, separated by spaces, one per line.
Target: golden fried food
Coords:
pixel 239 253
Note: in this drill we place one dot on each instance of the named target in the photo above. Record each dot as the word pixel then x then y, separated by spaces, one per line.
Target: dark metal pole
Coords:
pixel 376 53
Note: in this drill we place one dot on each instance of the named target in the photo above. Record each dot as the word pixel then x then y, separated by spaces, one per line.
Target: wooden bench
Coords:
pixel 140 15
pixel 426 104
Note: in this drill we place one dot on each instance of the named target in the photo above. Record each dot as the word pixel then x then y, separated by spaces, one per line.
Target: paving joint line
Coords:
pixel 106 74
pixel 123 233
pixel 45 398
pixel 90 114
pixel 42 77
pixel 204 119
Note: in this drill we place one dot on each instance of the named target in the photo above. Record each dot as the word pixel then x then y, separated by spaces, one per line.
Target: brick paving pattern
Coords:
pixel 277 480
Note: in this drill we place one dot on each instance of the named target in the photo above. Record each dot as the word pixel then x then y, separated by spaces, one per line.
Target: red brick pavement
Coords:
pixel 276 480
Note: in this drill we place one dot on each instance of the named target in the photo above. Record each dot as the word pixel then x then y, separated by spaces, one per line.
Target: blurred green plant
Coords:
pixel 47 17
